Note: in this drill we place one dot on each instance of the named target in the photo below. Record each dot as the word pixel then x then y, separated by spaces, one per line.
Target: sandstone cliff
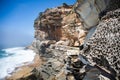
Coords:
pixel 60 24
pixel 78 42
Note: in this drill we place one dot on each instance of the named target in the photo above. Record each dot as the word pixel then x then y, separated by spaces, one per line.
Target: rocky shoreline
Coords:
pixel 76 42
pixel 25 71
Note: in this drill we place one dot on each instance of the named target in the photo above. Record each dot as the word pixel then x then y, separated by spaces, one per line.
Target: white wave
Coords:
pixel 11 50
pixel 19 57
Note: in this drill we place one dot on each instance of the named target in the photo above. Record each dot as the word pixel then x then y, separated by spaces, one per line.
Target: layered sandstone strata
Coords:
pixel 60 24
pixel 91 24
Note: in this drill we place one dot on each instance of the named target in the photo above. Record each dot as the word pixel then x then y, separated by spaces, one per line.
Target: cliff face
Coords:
pixel 60 24
pixel 48 24
pixel 94 26
pixel 80 25
pixel 68 25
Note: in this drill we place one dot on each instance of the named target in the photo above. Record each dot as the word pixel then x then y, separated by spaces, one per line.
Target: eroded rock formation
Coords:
pixel 94 26
pixel 103 47
pixel 88 11
pixel 60 24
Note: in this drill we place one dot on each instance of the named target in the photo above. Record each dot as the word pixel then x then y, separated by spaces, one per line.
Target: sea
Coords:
pixel 11 58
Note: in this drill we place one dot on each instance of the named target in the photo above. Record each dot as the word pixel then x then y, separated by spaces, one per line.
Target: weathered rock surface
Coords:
pixel 88 11
pixel 98 60
pixel 94 26
pixel 103 46
pixel 60 24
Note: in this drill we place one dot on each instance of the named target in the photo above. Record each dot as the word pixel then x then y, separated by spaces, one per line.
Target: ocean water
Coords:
pixel 11 58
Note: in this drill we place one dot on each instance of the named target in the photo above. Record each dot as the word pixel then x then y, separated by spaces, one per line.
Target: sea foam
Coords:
pixel 19 56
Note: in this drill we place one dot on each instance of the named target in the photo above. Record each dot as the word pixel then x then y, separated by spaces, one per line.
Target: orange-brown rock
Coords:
pixel 59 28
pixel 60 24
pixel 73 29
pixel 48 24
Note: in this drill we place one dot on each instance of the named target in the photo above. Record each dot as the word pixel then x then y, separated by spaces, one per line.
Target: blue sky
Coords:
pixel 17 18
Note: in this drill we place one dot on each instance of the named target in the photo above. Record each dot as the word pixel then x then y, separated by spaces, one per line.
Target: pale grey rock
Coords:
pixel 89 10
